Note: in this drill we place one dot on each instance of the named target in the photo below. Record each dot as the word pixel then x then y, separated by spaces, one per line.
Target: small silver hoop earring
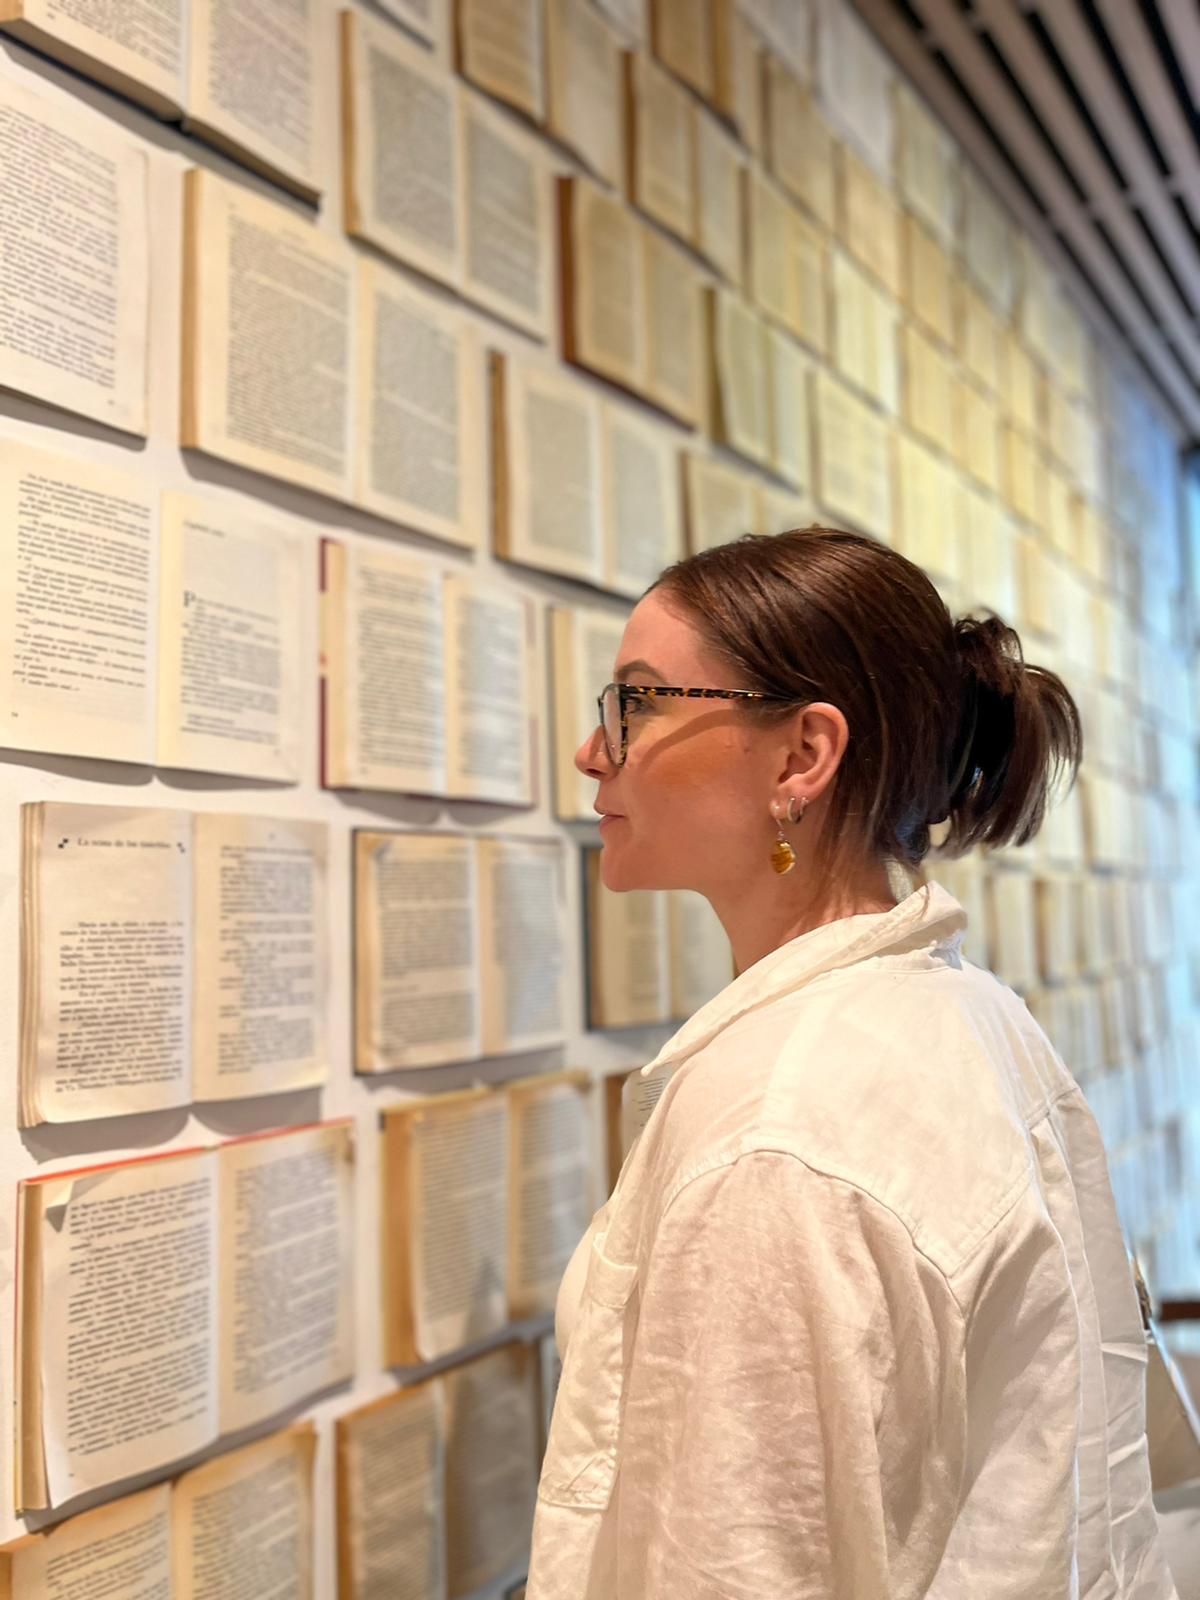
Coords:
pixel 803 807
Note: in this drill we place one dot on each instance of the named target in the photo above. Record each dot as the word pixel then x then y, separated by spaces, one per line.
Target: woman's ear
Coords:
pixel 818 738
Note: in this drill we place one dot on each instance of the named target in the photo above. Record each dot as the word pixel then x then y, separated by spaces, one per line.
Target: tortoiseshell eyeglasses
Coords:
pixel 615 699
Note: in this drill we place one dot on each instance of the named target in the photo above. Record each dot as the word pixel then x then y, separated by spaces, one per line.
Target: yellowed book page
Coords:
pixel 865 323
pixel 500 48
pixel 604 305
pixel 928 390
pixel 129 1378
pixel 810 273
pixel 717 190
pixel 787 409
pixel 507 220
pixel 981 339
pixel 135 48
pixel 416 971
pixel 252 76
pixel 740 417
pixel 491 1465
pixel 584 86
pixel 489 692
pixel 978 436
pixel 522 943
pixel 550 1201
pixel 122 1549
pixel 230 649
pixel 674 330
pixel 738 62
pixel 870 221
pixel 391 1497
pixel 800 143
pixel 629 981
pixel 662 163
pixel 771 284
pixel 1013 936
pixel 106 954
pixel 420 414
pixel 1025 478
pixel 267 337
pixel 286 1270
pixel 929 280
pixel 77 613
pixel 929 518
pixel 428 19
pixel 1020 384
pixel 553 516
pixel 391 700
pixel 459 1221
pixel 242 1524
pixel 74 292
pixel 682 36
pixel 701 957
pixel 261 974
pixel 853 459
pixel 643 516
pixel 719 502
pixel 926 165
pixel 583 646
pixel 988 246
pixel 402 153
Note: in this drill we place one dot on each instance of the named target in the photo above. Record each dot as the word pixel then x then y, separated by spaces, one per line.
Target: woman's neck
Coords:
pixel 763 915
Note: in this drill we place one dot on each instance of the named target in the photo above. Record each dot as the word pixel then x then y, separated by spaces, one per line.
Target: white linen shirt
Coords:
pixel 857 1321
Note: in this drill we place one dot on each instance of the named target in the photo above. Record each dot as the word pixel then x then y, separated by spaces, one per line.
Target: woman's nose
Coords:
pixel 592 756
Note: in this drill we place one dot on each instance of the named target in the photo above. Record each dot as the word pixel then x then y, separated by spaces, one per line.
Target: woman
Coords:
pixel 857 1321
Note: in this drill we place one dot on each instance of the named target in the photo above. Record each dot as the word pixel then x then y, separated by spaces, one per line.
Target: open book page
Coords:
pixel 456 1220
pixel 682 35
pixel 929 518
pixel 242 1524
pixel 261 966
pixel 500 49
pixel 701 959
pixel 780 510
pixel 662 133
pixel 869 221
pixel 583 654
pixel 491 1464
pixel 522 943
pixel 628 969
pixel 489 692
pixel 584 86
pixel 643 516
pixel 737 60
pixel 402 158
pixel 77 613
pixel 391 1497
pixel 853 459
pixel 640 1093
pixel 603 264
pixel 808 251
pixel 286 1269
pixel 251 84
pixel 674 342
pixel 718 500
pixel 551 1193
pixel 230 650
pixel 800 143
pixel 420 426
pixel 717 193
pixel 787 408
pixel 769 282
pixel 106 961
pixel 428 19
pixel 929 394
pixel 546 470
pixel 121 1550
pixel 74 293
pixel 740 410
pixel 416 978
pixel 135 48
pixel 926 164
pixel 382 641
pixel 266 338
pixel 126 1266
pixel 929 281
pixel 988 242
pixel 507 256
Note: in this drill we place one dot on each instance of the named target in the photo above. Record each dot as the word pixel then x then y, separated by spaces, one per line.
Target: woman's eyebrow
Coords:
pixel 642 669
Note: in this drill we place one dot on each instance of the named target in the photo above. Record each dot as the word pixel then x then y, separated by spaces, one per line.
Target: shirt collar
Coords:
pixel 928 916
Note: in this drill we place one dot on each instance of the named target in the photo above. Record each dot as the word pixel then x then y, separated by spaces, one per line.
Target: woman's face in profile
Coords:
pixel 690 807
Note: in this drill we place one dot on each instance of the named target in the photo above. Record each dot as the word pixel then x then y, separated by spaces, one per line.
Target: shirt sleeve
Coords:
pixel 794 1419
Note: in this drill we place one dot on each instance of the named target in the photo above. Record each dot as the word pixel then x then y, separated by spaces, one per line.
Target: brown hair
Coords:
pixel 946 718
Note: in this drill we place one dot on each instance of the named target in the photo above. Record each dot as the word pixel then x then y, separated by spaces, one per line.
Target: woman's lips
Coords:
pixel 610 817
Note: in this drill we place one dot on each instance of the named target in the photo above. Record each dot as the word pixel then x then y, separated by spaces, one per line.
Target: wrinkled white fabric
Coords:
pixel 857 1322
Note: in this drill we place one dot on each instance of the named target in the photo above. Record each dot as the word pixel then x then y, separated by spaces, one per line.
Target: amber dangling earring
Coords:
pixel 783 857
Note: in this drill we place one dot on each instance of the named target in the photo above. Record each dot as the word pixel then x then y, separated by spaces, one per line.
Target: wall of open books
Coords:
pixel 361 366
